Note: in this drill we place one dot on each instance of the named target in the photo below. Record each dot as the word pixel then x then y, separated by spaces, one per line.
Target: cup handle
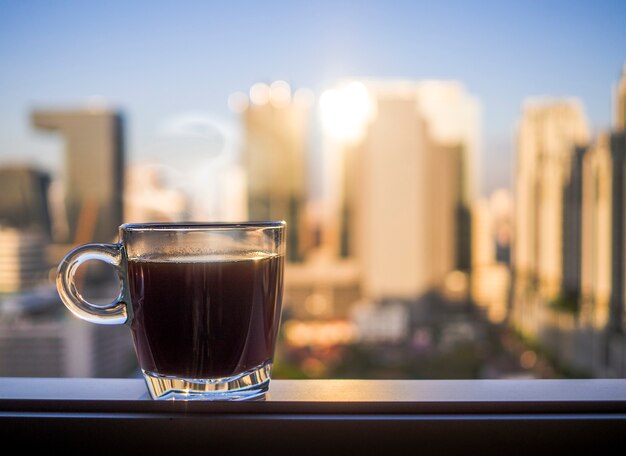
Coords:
pixel 114 313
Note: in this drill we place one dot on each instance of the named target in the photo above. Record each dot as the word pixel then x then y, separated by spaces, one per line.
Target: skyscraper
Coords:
pixel 275 158
pixel 572 227
pixel 620 102
pixel 35 338
pixel 490 269
pixel 570 235
pixel 548 133
pixel 618 155
pixel 23 263
pixel 407 181
pixel 597 230
pixel 25 228
pixel 92 175
pixel 618 231
pixel 24 202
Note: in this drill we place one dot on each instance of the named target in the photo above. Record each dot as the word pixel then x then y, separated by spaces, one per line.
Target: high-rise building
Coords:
pixel 569 245
pixel 490 278
pixel 25 229
pixel 548 133
pixel 92 175
pixel 36 338
pixel 618 231
pixel 23 262
pixel 597 230
pixel 572 227
pixel 618 153
pixel 620 102
pixel 594 229
pixel 408 149
pixel 276 131
pixel 602 250
pixel 24 202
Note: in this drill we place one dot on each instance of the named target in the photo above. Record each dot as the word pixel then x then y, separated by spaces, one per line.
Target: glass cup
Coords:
pixel 203 302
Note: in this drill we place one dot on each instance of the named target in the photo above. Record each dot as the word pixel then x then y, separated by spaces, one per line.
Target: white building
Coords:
pixel 400 201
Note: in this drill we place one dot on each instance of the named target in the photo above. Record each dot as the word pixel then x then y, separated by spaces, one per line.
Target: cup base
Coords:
pixel 251 384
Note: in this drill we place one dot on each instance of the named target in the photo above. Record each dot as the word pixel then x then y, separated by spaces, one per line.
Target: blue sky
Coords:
pixel 156 59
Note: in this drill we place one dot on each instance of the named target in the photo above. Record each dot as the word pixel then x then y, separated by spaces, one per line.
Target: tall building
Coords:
pixel 36 337
pixel 23 262
pixel 92 176
pixel 602 251
pixel 407 181
pixel 620 102
pixel 490 279
pixel 618 154
pixel 572 227
pixel 618 229
pixel 618 147
pixel 24 202
pixel 597 230
pixel 570 236
pixel 548 133
pixel 276 126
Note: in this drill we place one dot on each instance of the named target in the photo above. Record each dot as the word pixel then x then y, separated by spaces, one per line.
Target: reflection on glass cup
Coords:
pixel 203 302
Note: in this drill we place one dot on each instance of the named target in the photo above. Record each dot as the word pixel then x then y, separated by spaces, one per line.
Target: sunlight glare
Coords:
pixel 346 111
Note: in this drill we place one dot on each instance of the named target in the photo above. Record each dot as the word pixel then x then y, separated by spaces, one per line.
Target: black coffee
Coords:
pixel 205 319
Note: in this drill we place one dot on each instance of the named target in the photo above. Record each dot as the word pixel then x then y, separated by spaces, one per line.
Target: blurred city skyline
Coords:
pixel 172 65
pixel 451 177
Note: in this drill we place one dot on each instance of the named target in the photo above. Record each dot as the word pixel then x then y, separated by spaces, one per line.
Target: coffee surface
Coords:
pixel 205 317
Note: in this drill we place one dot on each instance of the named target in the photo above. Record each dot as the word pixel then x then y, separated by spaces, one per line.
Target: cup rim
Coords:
pixel 199 226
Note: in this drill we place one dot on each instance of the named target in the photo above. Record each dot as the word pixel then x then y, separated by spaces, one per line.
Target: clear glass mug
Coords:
pixel 203 302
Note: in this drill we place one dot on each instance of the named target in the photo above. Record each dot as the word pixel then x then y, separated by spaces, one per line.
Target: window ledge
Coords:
pixel 355 414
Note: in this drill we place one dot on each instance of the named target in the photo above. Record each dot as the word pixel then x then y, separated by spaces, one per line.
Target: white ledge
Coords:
pixel 339 391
